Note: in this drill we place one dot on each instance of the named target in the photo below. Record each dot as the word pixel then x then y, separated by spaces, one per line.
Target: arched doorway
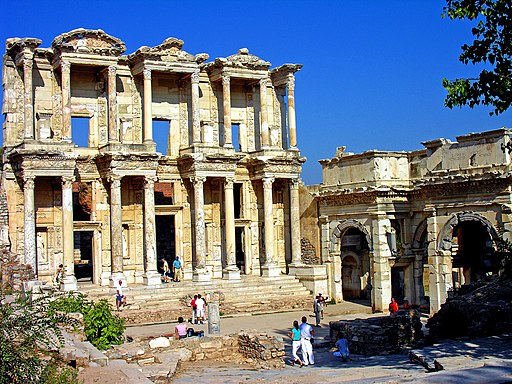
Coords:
pixel 472 253
pixel 355 265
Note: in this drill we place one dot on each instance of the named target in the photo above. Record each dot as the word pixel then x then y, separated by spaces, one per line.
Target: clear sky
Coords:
pixel 372 69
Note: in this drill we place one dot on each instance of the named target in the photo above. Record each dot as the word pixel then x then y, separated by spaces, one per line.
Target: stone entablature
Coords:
pixel 228 208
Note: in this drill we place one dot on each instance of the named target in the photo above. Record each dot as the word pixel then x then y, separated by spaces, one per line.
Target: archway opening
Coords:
pixel 472 252
pixel 355 265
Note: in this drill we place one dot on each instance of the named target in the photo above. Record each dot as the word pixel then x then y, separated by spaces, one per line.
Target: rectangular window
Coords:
pixel 161 133
pixel 80 131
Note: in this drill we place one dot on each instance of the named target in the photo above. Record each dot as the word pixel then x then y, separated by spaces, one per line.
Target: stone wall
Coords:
pixel 381 335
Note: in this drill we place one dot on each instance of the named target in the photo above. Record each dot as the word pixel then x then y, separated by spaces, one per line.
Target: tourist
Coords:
pixel 342 345
pixel 393 306
pixel 181 329
pixel 295 336
pixel 120 298
pixel 200 309
pixel 322 303
pixel 193 305
pixel 167 271
pixel 407 305
pixel 59 274
pixel 306 334
pixel 317 310
pixel 177 268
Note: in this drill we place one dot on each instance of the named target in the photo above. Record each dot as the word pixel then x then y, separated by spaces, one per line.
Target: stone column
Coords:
pixel 65 68
pixel 29 222
pixel 231 272
pixel 295 222
pixel 28 98
pixel 381 278
pixel 200 273
pixel 151 276
pixel 116 231
pixel 148 111
pixel 270 268
pixel 436 281
pixel 291 113
pixel 226 99
pixel 113 131
pixel 196 126
pixel 69 282
pixel 265 139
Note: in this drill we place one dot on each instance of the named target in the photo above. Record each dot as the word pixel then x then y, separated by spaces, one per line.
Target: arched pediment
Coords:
pixel 91 41
pixel 170 50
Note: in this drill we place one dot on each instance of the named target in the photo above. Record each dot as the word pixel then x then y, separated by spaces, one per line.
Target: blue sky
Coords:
pixel 372 69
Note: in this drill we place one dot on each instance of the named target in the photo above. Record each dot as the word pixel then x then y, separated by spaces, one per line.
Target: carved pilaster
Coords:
pixel 265 138
pixel 226 98
pixel 270 267
pixel 29 221
pixel 69 282
pixel 116 229
pixel 65 68
pixel 295 221
pixel 200 238
pixel 196 128
pixel 231 271
pixel 113 130
pixel 151 275
pixel 148 112
pixel 28 97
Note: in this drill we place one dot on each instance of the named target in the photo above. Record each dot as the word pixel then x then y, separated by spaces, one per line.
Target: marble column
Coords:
pixel 226 99
pixel 270 268
pixel 291 113
pixel 148 111
pixel 196 127
pixel 69 282
pixel 28 98
pixel 65 68
pixel 200 273
pixel 265 138
pixel 295 222
pixel 116 231
pixel 381 278
pixel 151 276
pixel 113 131
pixel 29 222
pixel 231 272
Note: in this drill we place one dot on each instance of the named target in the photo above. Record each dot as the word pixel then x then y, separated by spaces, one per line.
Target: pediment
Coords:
pixel 170 51
pixel 242 59
pixel 89 41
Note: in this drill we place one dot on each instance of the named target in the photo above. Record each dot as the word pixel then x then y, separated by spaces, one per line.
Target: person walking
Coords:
pixel 177 269
pixel 393 306
pixel 317 309
pixel 295 336
pixel 200 309
pixel 120 298
pixel 167 271
pixel 194 310
pixel 306 334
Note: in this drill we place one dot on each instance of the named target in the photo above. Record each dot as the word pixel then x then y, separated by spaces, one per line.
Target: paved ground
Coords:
pixel 487 360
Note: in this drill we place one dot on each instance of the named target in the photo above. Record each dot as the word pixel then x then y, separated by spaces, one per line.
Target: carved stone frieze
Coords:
pixel 88 41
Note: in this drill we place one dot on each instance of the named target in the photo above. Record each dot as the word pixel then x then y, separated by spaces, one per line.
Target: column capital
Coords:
pixel 228 182
pixel 267 182
pixel 112 70
pixel 65 66
pixel 149 182
pixel 67 181
pixel 115 181
pixel 226 80
pixel 198 181
pixel 294 183
pixel 146 73
pixel 291 83
pixel 28 64
pixel 28 181
pixel 194 78
pixel 263 82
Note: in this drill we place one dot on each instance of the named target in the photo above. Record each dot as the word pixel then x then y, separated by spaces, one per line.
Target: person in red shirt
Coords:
pixel 194 310
pixel 393 306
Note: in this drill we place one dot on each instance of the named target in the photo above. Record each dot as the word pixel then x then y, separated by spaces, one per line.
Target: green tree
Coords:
pixel 492 46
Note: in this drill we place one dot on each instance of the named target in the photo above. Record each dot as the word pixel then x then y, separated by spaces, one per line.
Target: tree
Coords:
pixel 493 46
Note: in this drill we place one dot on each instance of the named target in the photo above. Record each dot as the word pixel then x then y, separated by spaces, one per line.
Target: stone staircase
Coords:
pixel 248 294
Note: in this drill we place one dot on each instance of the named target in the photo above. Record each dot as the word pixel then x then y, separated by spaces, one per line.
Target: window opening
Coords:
pixel 161 135
pixel 237 192
pixel 80 131
pixel 235 135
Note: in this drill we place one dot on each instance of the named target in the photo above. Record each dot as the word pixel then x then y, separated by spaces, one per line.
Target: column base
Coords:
pixel 231 273
pixel 115 277
pixel 200 274
pixel 69 283
pixel 270 270
pixel 294 267
pixel 105 279
pixel 152 278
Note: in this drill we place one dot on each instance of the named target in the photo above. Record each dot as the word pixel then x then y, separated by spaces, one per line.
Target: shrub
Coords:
pixel 102 328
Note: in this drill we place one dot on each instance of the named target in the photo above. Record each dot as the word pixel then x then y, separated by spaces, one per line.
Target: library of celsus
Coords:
pixel 87 188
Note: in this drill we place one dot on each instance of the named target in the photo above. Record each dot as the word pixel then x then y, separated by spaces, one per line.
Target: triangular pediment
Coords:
pixel 89 41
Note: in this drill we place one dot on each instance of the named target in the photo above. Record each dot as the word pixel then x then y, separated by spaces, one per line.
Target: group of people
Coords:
pixel 302 337
pixel 318 308
pixel 393 306
pixel 173 272
pixel 198 305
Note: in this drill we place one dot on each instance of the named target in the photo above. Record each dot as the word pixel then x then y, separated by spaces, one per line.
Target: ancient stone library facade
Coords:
pixel 411 225
pixel 87 188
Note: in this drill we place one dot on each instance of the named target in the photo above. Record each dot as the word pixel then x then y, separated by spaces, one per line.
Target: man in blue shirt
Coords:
pixel 177 267
pixel 306 334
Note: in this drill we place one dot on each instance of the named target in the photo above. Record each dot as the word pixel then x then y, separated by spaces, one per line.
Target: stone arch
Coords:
pixel 340 230
pixel 419 234
pixel 444 241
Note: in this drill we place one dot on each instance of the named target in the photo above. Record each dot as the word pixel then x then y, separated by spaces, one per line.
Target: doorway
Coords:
pixel 239 249
pixel 398 284
pixel 165 239
pixel 83 255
